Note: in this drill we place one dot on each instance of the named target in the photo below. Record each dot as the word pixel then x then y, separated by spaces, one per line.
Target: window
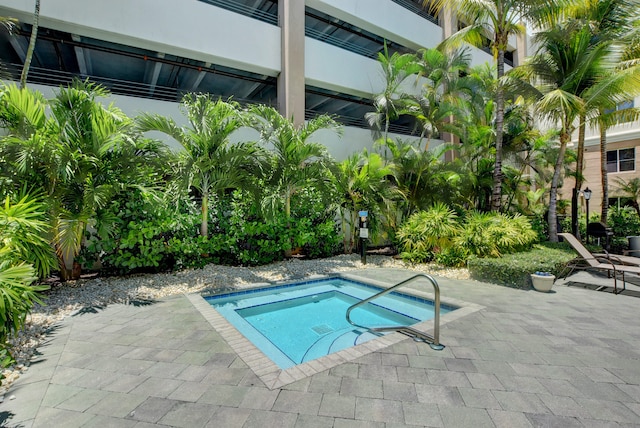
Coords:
pixel 621 107
pixel 621 160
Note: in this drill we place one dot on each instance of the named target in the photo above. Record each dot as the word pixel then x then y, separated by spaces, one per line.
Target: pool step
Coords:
pixel 337 341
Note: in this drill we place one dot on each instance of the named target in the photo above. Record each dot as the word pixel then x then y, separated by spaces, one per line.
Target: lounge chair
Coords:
pixel 611 263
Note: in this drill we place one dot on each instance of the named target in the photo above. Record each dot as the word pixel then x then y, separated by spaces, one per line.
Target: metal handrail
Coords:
pixel 434 341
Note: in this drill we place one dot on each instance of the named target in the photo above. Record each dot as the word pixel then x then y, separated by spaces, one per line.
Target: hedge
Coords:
pixel 513 270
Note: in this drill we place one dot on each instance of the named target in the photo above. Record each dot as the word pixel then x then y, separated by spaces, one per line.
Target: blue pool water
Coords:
pixel 295 323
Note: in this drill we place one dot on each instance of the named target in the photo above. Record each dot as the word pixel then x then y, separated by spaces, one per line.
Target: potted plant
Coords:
pixel 543 281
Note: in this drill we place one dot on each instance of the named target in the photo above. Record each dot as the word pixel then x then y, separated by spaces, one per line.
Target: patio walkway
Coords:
pixel 570 358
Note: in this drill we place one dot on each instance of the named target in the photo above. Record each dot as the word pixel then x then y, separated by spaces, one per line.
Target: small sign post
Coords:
pixel 364 235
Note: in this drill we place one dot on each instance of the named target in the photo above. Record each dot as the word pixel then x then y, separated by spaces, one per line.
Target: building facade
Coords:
pixel 621 160
pixel 305 58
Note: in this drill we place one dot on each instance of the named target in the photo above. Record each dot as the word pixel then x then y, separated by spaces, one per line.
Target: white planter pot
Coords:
pixel 542 283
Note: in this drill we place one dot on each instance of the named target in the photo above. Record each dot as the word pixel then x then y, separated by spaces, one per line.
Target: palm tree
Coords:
pixel 209 163
pixel 8 23
pixel 494 21
pixel 22 112
pixel 607 82
pixel 23 231
pixel 32 46
pixel 25 255
pixel 296 162
pixel 419 175
pixel 389 104
pixel 362 181
pixel 564 57
pixel 613 22
pixel 444 93
pixel 79 158
pixel 605 120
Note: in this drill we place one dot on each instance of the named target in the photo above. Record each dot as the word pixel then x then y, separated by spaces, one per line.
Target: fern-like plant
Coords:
pixel 23 227
pixel 492 234
pixel 427 232
pixel 24 255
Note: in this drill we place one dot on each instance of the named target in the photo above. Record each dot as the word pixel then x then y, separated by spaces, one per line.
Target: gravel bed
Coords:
pixel 62 300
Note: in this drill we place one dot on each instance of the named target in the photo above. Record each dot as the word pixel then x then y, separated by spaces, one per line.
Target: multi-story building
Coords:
pixel 305 57
pixel 622 163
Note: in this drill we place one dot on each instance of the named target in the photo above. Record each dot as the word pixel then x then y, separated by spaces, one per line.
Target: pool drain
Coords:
pixel 322 329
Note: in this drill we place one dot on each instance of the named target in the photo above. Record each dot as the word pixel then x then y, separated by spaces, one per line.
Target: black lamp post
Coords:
pixel 587 195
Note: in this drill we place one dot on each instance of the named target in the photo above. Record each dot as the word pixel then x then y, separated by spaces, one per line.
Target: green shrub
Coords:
pixel 325 241
pixel 492 234
pixel 426 233
pixel 624 221
pixel 23 228
pixel 540 226
pixel 24 255
pixel 17 297
pixel 452 256
pixel 132 234
pixel 146 235
pixel 513 270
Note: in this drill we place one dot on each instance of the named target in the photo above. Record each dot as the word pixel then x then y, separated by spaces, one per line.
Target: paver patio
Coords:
pixel 561 359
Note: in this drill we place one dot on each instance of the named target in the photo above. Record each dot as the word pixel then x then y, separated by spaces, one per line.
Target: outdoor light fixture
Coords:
pixel 587 195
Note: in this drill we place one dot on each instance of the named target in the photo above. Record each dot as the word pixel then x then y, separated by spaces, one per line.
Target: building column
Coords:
pixel 448 22
pixel 291 79
pixel 521 49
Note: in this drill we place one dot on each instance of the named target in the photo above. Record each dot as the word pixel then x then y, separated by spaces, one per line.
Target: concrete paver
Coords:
pixel 518 359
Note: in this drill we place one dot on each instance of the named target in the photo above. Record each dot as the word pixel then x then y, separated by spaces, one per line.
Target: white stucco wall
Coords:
pixel 339 146
pixel 384 18
pixel 187 28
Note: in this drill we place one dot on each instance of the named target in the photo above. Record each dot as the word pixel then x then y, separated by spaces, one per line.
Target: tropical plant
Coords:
pixel 493 22
pixel 79 158
pixel 209 163
pixel 631 189
pixel 608 81
pixel 22 112
pixel 561 61
pixel 420 176
pixel 17 297
pixel 493 234
pixel 390 104
pixel 23 230
pixel 444 92
pixel 362 184
pixel 427 233
pixel 613 22
pixel 295 161
pixel 624 221
pixel 22 246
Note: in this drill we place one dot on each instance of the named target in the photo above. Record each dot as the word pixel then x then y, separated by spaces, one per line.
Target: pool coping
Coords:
pixel 275 377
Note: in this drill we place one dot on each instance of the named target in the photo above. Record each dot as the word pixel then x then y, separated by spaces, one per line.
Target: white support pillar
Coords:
pixel 291 80
pixel 448 22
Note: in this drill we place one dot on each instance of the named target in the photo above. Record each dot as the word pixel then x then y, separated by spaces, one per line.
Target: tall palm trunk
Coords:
pixel 32 46
pixel 578 182
pixel 604 174
pixel 287 215
pixel 204 224
pixel 345 239
pixel 553 194
pixel 496 194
